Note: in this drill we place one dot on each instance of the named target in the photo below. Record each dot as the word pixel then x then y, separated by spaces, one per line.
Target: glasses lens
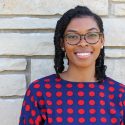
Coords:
pixel 72 38
pixel 92 37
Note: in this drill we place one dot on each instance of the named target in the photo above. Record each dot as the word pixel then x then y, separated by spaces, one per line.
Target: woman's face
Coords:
pixel 83 54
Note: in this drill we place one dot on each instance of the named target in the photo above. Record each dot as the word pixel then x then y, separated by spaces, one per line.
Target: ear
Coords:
pixel 102 41
pixel 62 43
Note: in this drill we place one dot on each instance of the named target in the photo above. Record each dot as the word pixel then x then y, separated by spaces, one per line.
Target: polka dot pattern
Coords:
pixel 57 101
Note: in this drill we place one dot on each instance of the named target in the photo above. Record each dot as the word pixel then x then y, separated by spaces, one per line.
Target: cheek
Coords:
pixel 97 50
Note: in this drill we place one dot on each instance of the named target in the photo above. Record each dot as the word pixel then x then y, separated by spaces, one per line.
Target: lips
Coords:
pixel 83 55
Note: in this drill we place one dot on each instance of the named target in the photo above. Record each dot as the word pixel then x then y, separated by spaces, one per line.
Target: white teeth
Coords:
pixel 83 54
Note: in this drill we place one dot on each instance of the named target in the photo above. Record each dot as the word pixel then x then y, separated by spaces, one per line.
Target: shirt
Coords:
pixel 55 101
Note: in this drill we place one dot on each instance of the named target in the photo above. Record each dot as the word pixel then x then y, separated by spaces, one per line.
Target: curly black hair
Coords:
pixel 62 23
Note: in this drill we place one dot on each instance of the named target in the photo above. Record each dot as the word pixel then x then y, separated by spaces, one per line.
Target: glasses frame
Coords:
pixel 82 36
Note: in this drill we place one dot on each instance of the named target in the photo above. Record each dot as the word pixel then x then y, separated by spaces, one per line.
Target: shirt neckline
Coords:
pixel 67 81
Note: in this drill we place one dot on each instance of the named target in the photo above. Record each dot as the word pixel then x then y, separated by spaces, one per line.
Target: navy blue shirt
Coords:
pixel 54 101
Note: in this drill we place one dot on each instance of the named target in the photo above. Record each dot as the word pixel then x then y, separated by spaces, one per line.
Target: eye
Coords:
pixel 92 35
pixel 72 36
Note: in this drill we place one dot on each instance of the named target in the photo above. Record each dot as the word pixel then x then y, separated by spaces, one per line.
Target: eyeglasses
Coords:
pixel 75 38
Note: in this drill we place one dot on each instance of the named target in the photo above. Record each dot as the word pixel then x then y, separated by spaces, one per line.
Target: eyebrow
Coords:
pixel 71 30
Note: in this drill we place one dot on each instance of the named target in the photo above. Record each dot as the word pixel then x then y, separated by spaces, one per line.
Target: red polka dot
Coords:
pixel 27 107
pixel 39 94
pixel 44 116
pixel 112 111
pixel 81 120
pixel 24 121
pixel 35 104
pixel 43 110
pixel 101 94
pixel 59 119
pixel 124 102
pixel 91 102
pixel 57 79
pixel 38 120
pixel 49 111
pixel 70 119
pixel 81 111
pixel 28 92
pixel 120 104
pixel 32 99
pixel 46 80
pixel 103 120
pixel 31 121
pixel 58 94
pixel 70 102
pixel 69 93
pixel 111 96
pixel 122 90
pixel 58 86
pixel 47 86
pixel 111 89
pixel 42 102
pixel 49 102
pixel 48 94
pixel 92 119
pixel 113 120
pixel 120 95
pixel 36 86
pixel 91 85
pixel 111 82
pixel 59 111
pixel 92 111
pixel 70 110
pixel 50 120
pixel 81 102
pixel 101 87
pixel 102 102
pixel 91 93
pixel 122 112
pixel 59 102
pixel 80 93
pixel 112 104
pixel 24 103
pixel 33 112
pixel 36 81
pixel 69 85
pixel 102 111
pixel 80 85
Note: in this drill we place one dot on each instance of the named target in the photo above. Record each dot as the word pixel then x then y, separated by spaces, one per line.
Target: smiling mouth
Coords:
pixel 83 55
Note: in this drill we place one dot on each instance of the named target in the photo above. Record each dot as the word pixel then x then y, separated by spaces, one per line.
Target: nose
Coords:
pixel 83 42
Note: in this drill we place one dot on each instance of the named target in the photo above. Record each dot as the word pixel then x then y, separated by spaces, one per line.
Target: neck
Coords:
pixel 76 74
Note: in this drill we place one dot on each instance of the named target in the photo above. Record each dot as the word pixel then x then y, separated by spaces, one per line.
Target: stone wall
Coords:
pixel 26 45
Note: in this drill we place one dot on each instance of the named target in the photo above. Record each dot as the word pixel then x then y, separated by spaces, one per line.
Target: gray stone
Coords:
pixel 26 44
pixel 10 110
pixel 12 85
pixel 7 64
pixel 116 69
pixel 27 23
pixel 118 9
pixel 38 7
pixel 114 31
pixel 43 67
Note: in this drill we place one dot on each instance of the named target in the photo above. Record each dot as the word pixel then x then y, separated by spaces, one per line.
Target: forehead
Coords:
pixel 82 24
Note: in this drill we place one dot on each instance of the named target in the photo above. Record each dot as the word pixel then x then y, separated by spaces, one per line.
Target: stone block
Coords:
pixel 10 111
pixel 116 69
pixel 11 85
pixel 38 7
pixel 7 64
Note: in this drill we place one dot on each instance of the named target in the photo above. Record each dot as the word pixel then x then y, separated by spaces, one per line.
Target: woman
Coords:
pixel 82 94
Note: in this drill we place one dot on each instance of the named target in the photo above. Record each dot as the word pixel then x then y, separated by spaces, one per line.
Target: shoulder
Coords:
pixel 38 83
pixel 117 85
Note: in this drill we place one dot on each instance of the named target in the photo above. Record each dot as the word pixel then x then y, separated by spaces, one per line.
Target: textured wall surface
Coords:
pixel 26 45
